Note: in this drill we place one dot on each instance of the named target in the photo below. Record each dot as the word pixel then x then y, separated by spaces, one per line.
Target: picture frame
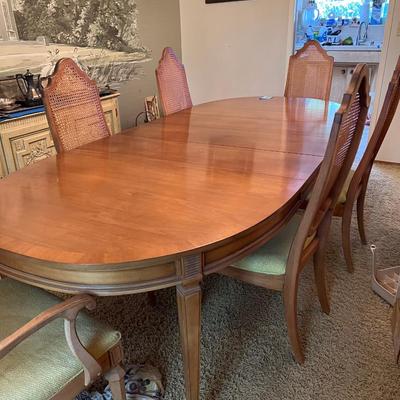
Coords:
pixel 219 1
pixel 152 108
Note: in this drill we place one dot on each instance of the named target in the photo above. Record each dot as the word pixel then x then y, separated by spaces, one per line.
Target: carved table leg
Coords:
pixel 189 306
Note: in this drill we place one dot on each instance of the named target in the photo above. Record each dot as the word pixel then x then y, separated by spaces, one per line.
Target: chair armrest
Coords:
pixel 68 310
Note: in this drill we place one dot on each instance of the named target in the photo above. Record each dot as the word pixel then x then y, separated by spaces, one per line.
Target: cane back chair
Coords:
pixel 356 184
pixel 172 83
pixel 278 264
pixel 73 107
pixel 310 73
pixel 41 358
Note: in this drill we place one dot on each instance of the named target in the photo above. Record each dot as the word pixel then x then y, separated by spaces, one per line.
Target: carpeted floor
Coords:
pixel 245 352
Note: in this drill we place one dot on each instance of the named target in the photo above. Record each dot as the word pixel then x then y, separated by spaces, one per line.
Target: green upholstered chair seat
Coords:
pixel 271 258
pixel 343 194
pixel 43 364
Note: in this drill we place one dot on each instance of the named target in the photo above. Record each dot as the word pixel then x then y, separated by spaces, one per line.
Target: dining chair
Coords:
pixel 73 107
pixel 172 83
pixel 356 184
pixel 278 263
pixel 310 73
pixel 42 357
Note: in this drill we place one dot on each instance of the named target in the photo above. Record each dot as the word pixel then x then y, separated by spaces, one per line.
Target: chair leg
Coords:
pixel 320 266
pixel 360 214
pixel 320 280
pixel 116 380
pixel 346 238
pixel 290 303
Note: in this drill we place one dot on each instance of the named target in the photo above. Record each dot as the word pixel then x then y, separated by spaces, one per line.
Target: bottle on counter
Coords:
pixel 364 12
pixel 385 12
pixel 323 34
pixel 310 33
pixel 376 15
pixel 331 22
pixel 310 15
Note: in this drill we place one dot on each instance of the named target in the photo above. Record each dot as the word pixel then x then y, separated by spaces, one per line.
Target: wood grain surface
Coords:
pixel 164 204
pixel 179 184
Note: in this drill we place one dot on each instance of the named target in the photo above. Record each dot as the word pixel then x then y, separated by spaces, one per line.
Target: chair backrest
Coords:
pixel 342 147
pixel 382 126
pixel 172 83
pixel 73 107
pixel 310 73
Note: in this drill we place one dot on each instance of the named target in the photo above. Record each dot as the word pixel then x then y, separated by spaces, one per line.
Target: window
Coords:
pixel 348 8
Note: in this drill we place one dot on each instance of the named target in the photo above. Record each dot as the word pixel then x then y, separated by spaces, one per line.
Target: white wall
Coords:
pixel 390 150
pixel 159 26
pixel 236 48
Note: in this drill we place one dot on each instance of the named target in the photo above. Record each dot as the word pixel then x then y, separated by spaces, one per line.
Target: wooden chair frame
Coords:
pixel 59 94
pixel 109 364
pixel 298 58
pixel 396 328
pixel 171 66
pixel 315 224
pixel 359 183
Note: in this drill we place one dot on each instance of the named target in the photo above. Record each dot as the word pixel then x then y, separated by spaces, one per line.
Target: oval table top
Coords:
pixel 179 184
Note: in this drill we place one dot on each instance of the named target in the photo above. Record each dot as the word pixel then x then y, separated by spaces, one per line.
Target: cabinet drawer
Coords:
pixel 31 148
pixel 110 122
pixel 111 113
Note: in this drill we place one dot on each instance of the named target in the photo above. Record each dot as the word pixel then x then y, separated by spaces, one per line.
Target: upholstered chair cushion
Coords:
pixel 343 194
pixel 43 364
pixel 271 258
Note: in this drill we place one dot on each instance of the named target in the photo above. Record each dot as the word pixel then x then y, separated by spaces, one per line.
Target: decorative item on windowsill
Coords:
pixel 386 283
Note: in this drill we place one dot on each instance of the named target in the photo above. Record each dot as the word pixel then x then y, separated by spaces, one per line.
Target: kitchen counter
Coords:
pixel 350 55
pixel 352 48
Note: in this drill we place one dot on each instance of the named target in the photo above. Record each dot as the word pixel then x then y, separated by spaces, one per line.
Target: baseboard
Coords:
pixel 386 162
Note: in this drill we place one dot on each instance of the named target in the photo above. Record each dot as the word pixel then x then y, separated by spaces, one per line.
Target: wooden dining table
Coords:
pixel 164 204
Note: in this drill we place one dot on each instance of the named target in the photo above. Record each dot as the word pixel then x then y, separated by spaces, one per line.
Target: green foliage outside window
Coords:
pixel 343 8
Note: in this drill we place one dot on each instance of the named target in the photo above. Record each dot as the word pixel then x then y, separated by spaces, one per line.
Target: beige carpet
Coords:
pixel 245 352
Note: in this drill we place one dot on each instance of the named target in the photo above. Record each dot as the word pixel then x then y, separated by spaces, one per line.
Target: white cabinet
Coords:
pixel 340 80
pixel 342 77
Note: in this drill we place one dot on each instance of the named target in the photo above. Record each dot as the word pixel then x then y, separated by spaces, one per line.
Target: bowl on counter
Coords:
pixel 7 104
